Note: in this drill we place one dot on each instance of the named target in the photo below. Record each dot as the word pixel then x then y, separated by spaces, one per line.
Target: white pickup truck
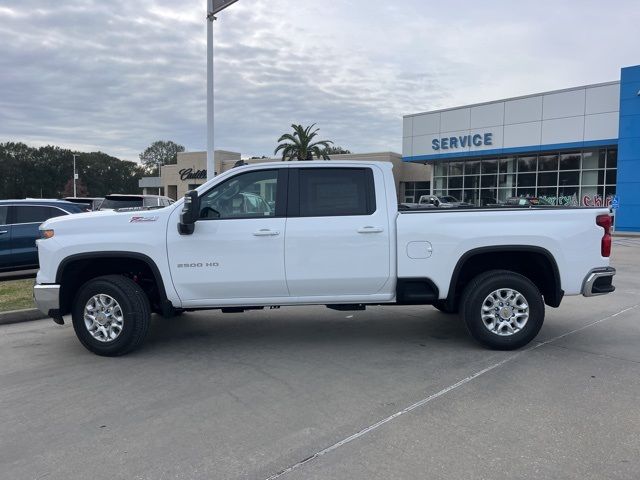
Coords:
pixel 327 233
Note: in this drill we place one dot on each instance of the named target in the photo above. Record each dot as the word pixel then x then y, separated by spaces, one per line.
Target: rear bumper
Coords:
pixel 598 281
pixel 47 298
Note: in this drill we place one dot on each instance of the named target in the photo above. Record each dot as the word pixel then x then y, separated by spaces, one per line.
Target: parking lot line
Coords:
pixel 442 392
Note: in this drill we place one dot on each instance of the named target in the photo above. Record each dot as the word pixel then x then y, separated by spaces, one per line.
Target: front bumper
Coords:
pixel 598 281
pixel 47 298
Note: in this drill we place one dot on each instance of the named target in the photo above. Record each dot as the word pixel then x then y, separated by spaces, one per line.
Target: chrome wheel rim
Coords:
pixel 103 318
pixel 505 312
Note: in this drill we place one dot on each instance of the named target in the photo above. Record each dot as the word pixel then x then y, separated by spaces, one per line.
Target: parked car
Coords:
pixel 345 246
pixel 19 222
pixel 442 201
pixel 116 201
pixel 92 203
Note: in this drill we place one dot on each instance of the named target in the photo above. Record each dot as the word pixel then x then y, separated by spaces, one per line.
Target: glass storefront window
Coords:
pixel 569 196
pixel 470 196
pixel 456 168
pixel 610 176
pixel 440 183
pixel 441 169
pixel 547 163
pixel 592 177
pixel 548 195
pixel 490 166
pixel 593 159
pixel 489 181
pixel 507 180
pixel 569 178
pixel 504 193
pixel 488 196
pixel 527 164
pixel 525 192
pixel 526 180
pixel 471 168
pixel 612 158
pixel 457 194
pixel 455 182
pixel 546 179
pixel 507 165
pixel 414 190
pixel 472 181
pixel 570 161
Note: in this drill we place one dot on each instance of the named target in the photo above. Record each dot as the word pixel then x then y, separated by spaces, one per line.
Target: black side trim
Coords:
pixel 166 305
pixel 416 291
pixel 282 192
pixel 552 300
pixel 293 199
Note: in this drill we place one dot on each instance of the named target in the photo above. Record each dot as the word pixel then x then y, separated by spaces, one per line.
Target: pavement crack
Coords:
pixel 601 355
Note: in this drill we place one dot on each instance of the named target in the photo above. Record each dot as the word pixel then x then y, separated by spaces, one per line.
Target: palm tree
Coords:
pixel 299 145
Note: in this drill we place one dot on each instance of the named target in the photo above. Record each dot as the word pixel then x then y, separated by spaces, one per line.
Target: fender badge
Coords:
pixel 142 219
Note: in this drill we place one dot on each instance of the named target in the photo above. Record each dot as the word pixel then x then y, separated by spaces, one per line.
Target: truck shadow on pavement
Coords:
pixel 298 327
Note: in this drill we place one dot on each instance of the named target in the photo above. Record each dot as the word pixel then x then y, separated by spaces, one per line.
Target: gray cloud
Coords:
pixel 116 75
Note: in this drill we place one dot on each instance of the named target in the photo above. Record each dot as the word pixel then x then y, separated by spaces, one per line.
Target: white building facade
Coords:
pixel 570 147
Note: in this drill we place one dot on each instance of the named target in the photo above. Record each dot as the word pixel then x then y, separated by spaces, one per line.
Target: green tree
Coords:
pixel 44 172
pixel 161 152
pixel 300 144
pixel 337 150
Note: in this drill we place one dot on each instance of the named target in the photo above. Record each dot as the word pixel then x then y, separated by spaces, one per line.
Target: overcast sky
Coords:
pixel 115 75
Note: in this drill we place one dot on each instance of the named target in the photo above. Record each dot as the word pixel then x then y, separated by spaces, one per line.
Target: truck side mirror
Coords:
pixel 190 213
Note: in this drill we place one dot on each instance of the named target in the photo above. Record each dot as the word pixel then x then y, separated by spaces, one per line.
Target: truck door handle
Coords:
pixel 370 229
pixel 265 232
pixel 2 232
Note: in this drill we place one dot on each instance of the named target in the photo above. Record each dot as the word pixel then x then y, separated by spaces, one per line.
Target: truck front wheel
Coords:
pixel 111 315
pixel 503 310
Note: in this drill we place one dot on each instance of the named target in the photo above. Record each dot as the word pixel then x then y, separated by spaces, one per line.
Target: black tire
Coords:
pixel 136 313
pixel 444 308
pixel 480 288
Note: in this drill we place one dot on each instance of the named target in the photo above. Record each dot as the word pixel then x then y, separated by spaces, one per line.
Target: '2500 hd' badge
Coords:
pixel 139 219
pixel 198 265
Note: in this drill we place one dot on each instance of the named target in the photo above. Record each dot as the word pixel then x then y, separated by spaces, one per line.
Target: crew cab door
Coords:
pixel 338 234
pixel 237 248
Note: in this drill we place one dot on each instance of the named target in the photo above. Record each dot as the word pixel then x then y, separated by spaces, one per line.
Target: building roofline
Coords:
pixel 550 92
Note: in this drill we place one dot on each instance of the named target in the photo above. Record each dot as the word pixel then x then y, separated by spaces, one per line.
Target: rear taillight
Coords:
pixel 604 221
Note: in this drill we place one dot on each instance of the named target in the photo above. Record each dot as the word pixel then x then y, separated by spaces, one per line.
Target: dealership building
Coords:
pixel 577 146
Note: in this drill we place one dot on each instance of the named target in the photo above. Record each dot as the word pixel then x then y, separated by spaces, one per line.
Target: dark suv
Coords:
pixel 19 222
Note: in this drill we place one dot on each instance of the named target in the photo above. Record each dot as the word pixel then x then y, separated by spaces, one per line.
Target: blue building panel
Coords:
pixel 628 188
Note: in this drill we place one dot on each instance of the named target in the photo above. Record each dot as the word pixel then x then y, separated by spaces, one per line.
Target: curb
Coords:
pixel 18 316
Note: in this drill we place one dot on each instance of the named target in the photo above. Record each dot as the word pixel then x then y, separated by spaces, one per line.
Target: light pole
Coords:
pixel 213 7
pixel 75 175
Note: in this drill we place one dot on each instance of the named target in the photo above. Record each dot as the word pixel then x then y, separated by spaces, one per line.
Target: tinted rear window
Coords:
pixel 336 192
pixel 126 202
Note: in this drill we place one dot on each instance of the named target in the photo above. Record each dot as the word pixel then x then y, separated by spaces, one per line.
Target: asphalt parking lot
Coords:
pixel 311 393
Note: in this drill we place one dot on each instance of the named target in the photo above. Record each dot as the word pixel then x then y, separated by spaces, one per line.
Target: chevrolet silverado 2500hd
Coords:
pixel 327 233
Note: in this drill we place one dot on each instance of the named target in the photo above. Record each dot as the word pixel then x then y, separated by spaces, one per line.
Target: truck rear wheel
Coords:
pixel 111 315
pixel 503 310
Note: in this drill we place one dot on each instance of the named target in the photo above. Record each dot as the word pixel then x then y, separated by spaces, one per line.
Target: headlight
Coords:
pixel 46 234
